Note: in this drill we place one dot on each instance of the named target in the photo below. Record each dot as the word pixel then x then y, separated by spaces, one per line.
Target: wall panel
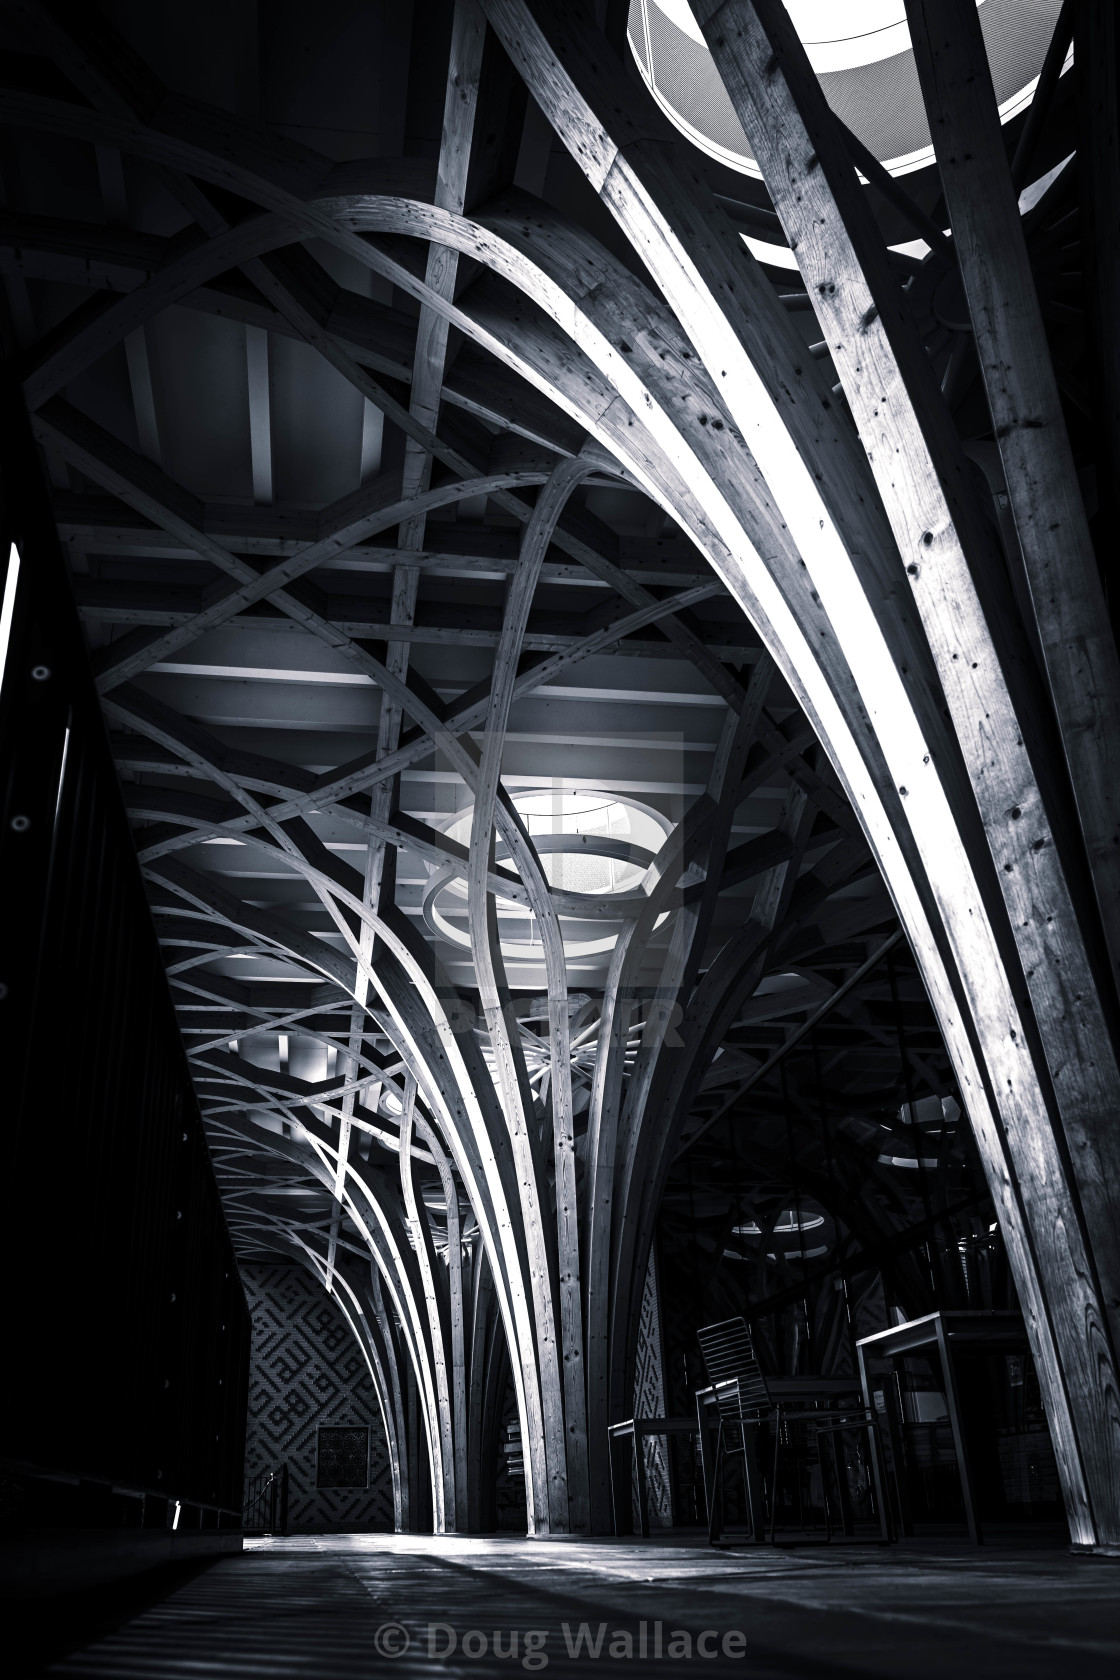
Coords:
pixel 128 1330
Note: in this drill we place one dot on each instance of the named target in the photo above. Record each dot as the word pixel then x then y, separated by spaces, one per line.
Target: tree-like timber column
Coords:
pixel 1001 948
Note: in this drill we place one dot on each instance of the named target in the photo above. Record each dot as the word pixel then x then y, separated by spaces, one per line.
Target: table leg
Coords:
pixel 620 1487
pixel 640 1466
pixel 878 1478
pixel 897 1433
pixel 843 1493
pixel 894 1435
pixel 953 1404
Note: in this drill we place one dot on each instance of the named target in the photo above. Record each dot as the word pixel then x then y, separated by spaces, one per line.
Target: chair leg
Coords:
pixel 824 1483
pixel 640 1472
pixel 717 1489
pixel 754 1486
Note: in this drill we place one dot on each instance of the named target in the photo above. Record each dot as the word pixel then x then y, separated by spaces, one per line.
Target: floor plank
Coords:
pixel 317 1608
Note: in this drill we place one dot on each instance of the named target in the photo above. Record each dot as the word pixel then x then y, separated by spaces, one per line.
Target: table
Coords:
pixel 947 1332
pixel 635 1430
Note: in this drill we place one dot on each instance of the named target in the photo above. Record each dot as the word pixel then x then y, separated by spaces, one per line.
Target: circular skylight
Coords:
pixel 787 1221
pixel 861 51
pixel 588 842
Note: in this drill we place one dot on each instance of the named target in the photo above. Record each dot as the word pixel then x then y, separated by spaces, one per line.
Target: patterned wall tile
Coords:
pixel 305 1369
pixel 649 1401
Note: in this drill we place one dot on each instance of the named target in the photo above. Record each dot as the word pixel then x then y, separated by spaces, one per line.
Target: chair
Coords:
pixel 744 1402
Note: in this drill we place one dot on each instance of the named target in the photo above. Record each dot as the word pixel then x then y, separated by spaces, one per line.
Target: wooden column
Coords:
pixel 916 459
pixel 1065 586
pixel 566 1434
pixel 1096 43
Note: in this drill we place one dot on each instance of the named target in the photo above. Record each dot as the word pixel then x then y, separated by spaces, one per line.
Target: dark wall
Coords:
pixel 128 1331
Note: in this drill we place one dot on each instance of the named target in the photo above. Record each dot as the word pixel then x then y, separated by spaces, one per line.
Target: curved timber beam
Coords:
pixel 920 470
pixel 565 1423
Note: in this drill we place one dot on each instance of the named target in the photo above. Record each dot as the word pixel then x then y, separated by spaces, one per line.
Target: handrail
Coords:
pixel 148 1497
pixel 266 1502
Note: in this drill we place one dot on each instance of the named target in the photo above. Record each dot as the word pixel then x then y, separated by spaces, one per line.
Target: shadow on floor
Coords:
pixel 343 1606
pixel 41 1630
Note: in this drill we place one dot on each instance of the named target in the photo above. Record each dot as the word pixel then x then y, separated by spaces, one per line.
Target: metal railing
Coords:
pixel 37 1496
pixel 266 1502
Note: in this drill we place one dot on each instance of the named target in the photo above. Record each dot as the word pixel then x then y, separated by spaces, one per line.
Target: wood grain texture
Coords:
pixel 909 444
pixel 1066 594
pixel 560 1334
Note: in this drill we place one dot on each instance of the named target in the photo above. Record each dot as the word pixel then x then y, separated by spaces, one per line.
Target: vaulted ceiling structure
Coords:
pixel 578 619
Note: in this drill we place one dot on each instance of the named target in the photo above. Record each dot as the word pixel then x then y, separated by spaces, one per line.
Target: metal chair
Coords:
pixel 744 1402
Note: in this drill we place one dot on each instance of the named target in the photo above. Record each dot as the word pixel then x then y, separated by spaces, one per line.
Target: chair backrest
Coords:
pixel 729 1359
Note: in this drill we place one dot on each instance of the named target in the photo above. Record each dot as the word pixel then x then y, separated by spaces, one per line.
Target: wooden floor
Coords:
pixel 339 1606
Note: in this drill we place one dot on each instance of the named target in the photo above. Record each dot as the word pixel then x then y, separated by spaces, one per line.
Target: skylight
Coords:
pixel 565 826
pixel 860 50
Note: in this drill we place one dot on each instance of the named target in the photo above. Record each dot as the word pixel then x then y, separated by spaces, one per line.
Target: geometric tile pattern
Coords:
pixel 305 1370
pixel 649 1399
pixel 684 1374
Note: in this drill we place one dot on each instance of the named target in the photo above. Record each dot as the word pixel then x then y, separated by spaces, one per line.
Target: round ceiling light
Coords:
pixel 861 52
